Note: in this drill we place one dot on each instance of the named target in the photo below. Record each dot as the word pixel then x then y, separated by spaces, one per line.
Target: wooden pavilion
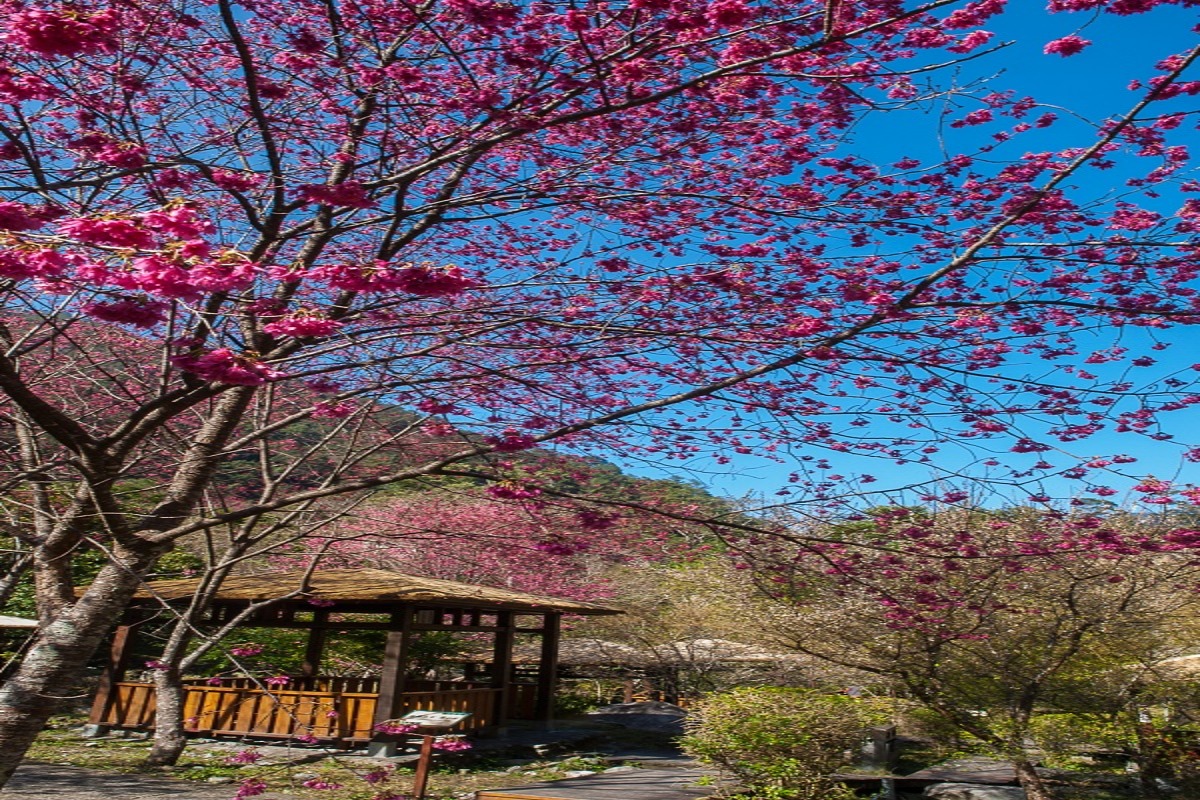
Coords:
pixel 340 710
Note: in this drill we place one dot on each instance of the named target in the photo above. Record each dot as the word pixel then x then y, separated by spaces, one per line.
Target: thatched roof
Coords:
pixel 1179 667
pixel 17 622
pixel 579 653
pixel 688 651
pixel 601 652
pixel 372 586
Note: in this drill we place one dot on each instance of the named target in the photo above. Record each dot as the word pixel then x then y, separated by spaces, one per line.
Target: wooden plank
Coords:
pixel 315 646
pixel 356 714
pixel 547 675
pixel 395 657
pixel 194 698
pixel 227 705
pixel 139 706
pixel 638 784
pixel 502 664
pixel 114 671
pixel 231 710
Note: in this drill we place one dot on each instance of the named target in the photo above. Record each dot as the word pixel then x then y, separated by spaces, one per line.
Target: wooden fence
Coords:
pixel 241 707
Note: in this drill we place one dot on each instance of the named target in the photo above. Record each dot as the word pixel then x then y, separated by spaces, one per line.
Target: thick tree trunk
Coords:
pixel 53 668
pixel 1031 782
pixel 169 736
pixel 1153 766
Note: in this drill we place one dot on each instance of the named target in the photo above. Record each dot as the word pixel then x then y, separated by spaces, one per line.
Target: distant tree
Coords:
pixel 507 536
pixel 989 619
pixel 782 744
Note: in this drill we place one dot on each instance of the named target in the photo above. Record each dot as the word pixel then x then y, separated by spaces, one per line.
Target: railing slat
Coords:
pixel 237 707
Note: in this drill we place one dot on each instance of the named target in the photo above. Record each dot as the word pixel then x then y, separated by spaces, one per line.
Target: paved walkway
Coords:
pixel 41 781
pixel 975 769
pixel 637 784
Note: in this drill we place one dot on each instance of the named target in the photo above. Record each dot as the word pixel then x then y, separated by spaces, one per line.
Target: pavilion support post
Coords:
pixel 315 646
pixel 114 672
pixel 502 666
pixel 391 682
pixel 547 676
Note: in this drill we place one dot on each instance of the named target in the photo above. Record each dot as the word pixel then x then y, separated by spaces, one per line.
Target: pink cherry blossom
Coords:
pixel 141 312
pixel 114 232
pixel 451 744
pixel 245 650
pixel 64 32
pixel 222 365
pixel 349 194
pixel 429 281
pixel 20 217
pixel 18 87
pixel 320 783
pixel 33 263
pixel 302 324
pixel 331 410
pixel 251 787
pixel 1066 46
pixel 248 756
pixel 511 441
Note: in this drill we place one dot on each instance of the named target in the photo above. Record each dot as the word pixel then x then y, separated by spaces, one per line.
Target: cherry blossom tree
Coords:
pixel 639 227
pixel 987 619
pixel 551 549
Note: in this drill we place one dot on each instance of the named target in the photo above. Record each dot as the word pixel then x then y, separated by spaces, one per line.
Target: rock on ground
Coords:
pixel 652 716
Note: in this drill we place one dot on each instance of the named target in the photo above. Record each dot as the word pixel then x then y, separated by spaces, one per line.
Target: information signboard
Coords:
pixel 434 719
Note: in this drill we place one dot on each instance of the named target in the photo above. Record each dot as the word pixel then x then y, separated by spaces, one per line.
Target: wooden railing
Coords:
pixel 284 712
pixel 322 683
pixel 480 703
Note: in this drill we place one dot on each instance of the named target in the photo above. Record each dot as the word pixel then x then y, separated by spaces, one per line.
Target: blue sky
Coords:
pixel 1094 85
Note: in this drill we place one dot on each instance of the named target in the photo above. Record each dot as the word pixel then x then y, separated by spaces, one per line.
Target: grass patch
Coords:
pixel 286 770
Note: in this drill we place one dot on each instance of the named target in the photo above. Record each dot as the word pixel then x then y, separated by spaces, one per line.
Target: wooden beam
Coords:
pixel 316 645
pixel 114 672
pixel 547 675
pixel 502 665
pixel 395 659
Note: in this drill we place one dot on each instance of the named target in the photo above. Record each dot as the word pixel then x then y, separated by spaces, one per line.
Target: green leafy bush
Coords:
pixel 1063 737
pixel 782 744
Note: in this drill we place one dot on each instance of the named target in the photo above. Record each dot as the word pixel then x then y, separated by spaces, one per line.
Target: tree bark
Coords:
pixel 1152 761
pixel 1031 782
pixel 12 579
pixel 53 669
pixel 169 737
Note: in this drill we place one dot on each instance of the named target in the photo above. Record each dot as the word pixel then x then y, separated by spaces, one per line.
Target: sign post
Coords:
pixel 429 719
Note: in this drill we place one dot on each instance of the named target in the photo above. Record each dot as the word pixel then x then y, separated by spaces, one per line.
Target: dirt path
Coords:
pixel 42 781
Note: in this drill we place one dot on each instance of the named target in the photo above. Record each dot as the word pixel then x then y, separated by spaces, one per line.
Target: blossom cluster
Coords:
pixel 451 744
pixel 63 32
pixel 245 650
pixel 222 365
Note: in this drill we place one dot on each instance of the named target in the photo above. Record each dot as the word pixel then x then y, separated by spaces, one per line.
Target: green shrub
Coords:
pixel 1063 737
pixel 782 744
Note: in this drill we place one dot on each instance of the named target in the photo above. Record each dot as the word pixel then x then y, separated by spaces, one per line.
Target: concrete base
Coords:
pixel 94 731
pixel 382 749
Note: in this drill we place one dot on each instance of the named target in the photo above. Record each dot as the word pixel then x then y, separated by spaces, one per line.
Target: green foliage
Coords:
pixel 1062 737
pixel 573 701
pixel 1171 752
pixel 85 563
pixel 782 744
pixel 349 652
